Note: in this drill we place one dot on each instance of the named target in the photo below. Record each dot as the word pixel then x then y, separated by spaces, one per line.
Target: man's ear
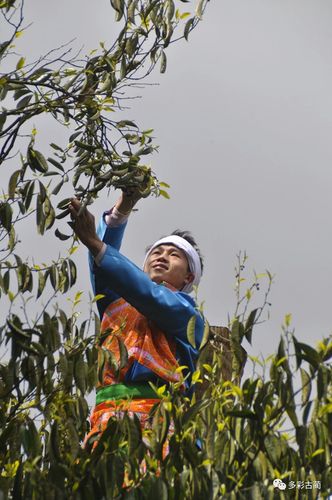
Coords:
pixel 189 278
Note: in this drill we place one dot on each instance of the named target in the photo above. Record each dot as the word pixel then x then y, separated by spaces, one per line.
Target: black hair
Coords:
pixel 186 235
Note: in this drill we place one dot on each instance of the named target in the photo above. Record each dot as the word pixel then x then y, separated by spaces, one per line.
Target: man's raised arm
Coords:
pixel 109 231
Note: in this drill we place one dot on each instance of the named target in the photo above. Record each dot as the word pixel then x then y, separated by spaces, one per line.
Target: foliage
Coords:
pixel 229 443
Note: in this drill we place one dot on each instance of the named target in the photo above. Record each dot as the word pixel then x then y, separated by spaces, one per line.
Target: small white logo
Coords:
pixel 277 483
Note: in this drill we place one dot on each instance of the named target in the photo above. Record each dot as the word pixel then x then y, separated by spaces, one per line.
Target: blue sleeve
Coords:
pixel 100 284
pixel 171 311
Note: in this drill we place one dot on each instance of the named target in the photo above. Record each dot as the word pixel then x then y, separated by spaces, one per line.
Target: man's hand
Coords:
pixel 128 200
pixel 132 194
pixel 84 226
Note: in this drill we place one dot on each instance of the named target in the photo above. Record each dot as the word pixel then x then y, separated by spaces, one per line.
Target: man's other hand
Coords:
pixel 84 226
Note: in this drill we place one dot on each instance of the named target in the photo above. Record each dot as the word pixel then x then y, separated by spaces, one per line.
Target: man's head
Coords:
pixel 176 260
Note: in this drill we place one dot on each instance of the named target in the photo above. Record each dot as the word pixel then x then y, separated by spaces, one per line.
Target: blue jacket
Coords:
pixel 116 276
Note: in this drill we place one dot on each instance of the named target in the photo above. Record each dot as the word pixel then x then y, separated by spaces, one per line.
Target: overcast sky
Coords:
pixel 243 117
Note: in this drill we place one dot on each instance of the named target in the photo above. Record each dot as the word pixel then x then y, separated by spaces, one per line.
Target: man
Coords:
pixel 146 311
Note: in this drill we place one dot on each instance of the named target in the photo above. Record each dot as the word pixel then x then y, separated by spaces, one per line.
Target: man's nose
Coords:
pixel 162 256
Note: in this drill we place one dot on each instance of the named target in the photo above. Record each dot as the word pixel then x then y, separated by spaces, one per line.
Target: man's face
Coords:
pixel 168 263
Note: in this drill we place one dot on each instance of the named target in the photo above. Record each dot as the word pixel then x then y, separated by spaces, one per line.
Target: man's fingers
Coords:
pixel 82 210
pixel 73 211
pixel 75 203
pixel 76 208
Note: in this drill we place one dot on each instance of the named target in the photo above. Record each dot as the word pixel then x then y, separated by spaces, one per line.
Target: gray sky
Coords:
pixel 243 117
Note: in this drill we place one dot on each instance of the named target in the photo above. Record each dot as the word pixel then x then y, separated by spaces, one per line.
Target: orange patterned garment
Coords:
pixel 146 344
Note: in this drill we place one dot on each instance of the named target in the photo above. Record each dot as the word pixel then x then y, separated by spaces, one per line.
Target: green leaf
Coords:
pixel 111 360
pixel 16 328
pixel 61 236
pixel 79 375
pixel 163 62
pixel 54 276
pixel 126 123
pixel 306 412
pixel 206 334
pixel 6 281
pixel 6 214
pixel 123 68
pixel 118 7
pixel 309 354
pixel 21 91
pixel 323 379
pixel 306 386
pixel 49 214
pixel 318 452
pixel 12 240
pixel 106 84
pixel 3 117
pixel 210 441
pixel 191 331
pixel 164 184
pixel 131 45
pixel 164 194
pixel 237 331
pixel 56 164
pixel 27 281
pixel 63 214
pixel 54 442
pixel 63 204
pixel 199 9
pixel 41 283
pixel 249 325
pixel 22 103
pixel 36 160
pixel 242 414
pixel 62 366
pixel 194 410
pixel 101 365
pixel 170 10
pixel 29 194
pixel 85 146
pixel 74 136
pixel 290 409
pixel 20 63
pixel 72 272
pixel 159 489
pixel 58 187
pixel 123 353
pixel 13 183
pixel 56 147
pixel 188 27
pixel 42 192
pixel 131 11
pixel 144 151
pixel 40 216
pixel 301 438
pixel 31 440
pixel 273 449
pixel 260 466
pixel 3 47
pixel 134 433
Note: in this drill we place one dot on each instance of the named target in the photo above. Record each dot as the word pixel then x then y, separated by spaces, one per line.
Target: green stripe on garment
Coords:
pixel 125 391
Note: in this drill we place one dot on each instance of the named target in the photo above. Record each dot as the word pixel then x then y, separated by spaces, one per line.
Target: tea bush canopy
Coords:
pixel 234 437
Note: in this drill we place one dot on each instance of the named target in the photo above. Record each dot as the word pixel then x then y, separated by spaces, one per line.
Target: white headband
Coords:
pixel 191 254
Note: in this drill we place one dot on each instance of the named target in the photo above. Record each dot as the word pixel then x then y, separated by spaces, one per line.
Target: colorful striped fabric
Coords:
pixel 147 345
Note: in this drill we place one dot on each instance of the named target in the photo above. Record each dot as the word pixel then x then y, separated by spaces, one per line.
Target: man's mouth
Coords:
pixel 159 266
